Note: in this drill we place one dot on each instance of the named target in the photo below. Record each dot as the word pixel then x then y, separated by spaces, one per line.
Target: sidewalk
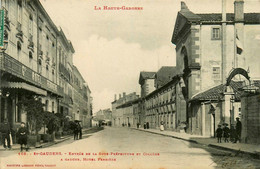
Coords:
pixel 47 144
pixel 251 149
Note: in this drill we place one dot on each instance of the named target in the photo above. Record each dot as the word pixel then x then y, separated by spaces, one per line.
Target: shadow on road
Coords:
pixel 228 159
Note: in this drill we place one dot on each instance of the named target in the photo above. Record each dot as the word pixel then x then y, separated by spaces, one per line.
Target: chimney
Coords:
pixel 115 97
pixel 239 10
pixel 119 96
pixel 123 94
pixel 184 6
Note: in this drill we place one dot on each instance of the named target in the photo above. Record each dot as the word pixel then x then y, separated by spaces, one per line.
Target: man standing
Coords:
pixel 238 130
pixel 22 132
pixel 6 130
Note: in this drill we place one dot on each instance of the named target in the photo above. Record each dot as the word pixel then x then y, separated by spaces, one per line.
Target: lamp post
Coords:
pixel 232 100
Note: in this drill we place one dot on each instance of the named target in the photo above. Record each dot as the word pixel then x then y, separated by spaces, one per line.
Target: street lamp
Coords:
pixel 7 94
pixel 232 100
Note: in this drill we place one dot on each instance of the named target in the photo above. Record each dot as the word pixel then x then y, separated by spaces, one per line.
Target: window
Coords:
pixel 52 107
pixel 216 73
pixel 19 46
pixel 19 11
pixel 31 25
pixel 30 55
pixel 53 76
pixel 215 33
pixel 47 71
pixel 40 66
pixel 46 105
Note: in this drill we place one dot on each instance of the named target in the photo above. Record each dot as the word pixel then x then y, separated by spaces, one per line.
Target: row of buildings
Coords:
pixel 214 53
pixel 37 59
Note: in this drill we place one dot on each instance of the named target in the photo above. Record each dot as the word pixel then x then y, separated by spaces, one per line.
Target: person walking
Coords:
pixel 232 133
pixel 226 132
pixel 238 130
pixel 80 130
pixel 22 136
pixel 6 131
pixel 161 126
pixel 76 131
pixel 219 132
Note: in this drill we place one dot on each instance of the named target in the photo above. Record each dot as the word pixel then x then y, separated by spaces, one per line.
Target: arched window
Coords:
pixel 185 58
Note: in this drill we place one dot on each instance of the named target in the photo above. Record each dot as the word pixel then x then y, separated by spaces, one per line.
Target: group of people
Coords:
pixel 77 130
pixel 234 133
pixel 7 136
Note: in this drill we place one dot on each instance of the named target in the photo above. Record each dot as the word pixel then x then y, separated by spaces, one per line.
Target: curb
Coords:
pixel 255 155
pixel 50 143
pixel 192 141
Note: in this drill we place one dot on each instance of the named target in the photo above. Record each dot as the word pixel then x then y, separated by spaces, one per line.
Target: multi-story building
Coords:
pixel 81 99
pixel 146 80
pixel 119 115
pixel 164 75
pixel 65 51
pixel 104 115
pixel 208 49
pixel 36 60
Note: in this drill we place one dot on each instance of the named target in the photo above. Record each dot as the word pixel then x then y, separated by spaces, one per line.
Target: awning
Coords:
pixel 22 85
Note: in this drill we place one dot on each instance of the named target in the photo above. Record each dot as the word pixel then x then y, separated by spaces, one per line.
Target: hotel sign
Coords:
pixel 2 23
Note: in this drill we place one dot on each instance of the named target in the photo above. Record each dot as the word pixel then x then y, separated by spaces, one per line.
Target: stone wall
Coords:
pixel 250 119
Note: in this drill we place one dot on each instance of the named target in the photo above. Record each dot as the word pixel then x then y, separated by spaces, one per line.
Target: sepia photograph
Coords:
pixel 130 84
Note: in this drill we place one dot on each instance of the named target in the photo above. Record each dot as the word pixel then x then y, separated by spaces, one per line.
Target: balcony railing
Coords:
pixel 64 71
pixel 16 68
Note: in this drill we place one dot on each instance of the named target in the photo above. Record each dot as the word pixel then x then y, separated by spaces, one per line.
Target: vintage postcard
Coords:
pixel 129 84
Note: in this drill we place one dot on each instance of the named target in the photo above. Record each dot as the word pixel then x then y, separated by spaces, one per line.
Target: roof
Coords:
pixel 75 69
pixel 248 17
pixel 185 17
pixel 216 93
pixel 165 74
pixel 146 75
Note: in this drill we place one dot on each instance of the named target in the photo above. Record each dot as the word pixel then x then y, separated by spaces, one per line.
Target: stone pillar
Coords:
pixel 203 119
pixel 5 108
pixel 227 107
pixel 13 109
pixel 0 108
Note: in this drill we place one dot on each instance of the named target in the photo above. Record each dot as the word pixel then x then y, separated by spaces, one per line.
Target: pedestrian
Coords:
pixel 232 133
pixel 76 131
pixel 129 125
pixel 226 132
pixel 22 136
pixel 6 131
pixel 161 126
pixel 147 125
pixel 219 133
pixel 79 130
pixel 238 130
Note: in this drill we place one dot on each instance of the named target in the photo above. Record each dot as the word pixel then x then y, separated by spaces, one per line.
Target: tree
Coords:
pixel 34 109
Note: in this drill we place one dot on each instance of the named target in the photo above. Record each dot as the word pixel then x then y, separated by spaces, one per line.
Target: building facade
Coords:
pixel 121 112
pixel 36 60
pixel 208 48
pixel 146 80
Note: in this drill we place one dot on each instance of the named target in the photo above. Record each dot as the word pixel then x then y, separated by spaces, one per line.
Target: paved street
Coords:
pixel 155 152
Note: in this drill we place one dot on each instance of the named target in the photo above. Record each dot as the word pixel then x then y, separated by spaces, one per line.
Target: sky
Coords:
pixel 112 47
